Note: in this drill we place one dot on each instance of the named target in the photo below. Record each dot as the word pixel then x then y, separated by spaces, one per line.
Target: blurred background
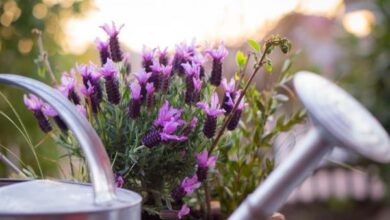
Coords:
pixel 345 40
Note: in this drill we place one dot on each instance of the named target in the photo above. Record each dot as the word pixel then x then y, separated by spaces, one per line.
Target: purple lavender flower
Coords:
pixel 89 92
pixel 119 180
pixel 187 186
pixel 142 78
pixel 35 105
pixel 212 112
pixel 166 133
pixel 169 128
pixel 135 103
pixel 90 75
pixel 163 56
pixel 183 54
pixel 110 73
pixel 197 89
pixel 103 50
pixel 166 72
pixel 126 62
pixel 191 71
pixel 167 114
pixel 185 210
pixel 199 60
pixel 150 95
pixel 233 123
pixel 48 111
pixel 152 138
pixel 68 86
pixel 116 52
pixel 147 58
pixel 155 77
pixel 229 96
pixel 217 55
pixel 164 127
pixel 204 163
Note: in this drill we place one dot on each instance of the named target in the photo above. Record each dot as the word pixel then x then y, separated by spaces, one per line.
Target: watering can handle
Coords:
pixel 95 153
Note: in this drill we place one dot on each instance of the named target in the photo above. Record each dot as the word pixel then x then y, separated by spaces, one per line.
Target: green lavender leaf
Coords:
pixel 241 59
pixel 254 45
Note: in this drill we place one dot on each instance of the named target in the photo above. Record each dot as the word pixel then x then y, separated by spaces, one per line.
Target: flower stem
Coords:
pixel 208 215
pixel 43 57
pixel 258 65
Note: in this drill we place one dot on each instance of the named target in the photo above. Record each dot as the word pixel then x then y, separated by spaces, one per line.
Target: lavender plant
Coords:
pixel 162 124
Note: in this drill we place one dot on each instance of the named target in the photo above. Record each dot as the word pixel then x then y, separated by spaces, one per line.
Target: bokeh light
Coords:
pixel 164 23
pixel 359 22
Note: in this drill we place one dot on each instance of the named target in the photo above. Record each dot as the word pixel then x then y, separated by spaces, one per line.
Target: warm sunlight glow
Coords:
pixel 359 23
pixel 164 23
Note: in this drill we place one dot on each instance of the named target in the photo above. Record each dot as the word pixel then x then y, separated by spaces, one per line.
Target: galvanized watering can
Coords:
pixel 47 199
pixel 338 120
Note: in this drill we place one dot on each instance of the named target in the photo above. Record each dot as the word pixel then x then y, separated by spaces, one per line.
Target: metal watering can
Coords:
pixel 48 199
pixel 338 120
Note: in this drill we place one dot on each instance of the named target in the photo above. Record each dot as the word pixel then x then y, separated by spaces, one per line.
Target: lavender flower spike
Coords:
pixel 68 86
pixel 35 105
pixel 89 92
pixel 90 75
pixel 229 96
pixel 163 56
pixel 191 71
pixel 204 163
pixel 142 76
pixel 166 72
pixel 150 95
pixel 155 77
pixel 197 89
pixel 167 114
pixel 147 58
pixel 135 103
pixel 168 130
pixel 217 55
pixel 233 123
pixel 212 112
pixel 119 180
pixel 50 112
pixel 187 186
pixel 109 72
pixel 185 210
pixel 116 52
pixel 103 48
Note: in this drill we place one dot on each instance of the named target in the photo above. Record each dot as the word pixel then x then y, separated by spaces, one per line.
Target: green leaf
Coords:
pixel 241 59
pixel 254 45
pixel 286 65
pixel 268 66
pixel 41 72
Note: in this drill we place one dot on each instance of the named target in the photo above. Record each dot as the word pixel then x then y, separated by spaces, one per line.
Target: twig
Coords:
pixel 258 65
pixel 43 55
pixel 208 215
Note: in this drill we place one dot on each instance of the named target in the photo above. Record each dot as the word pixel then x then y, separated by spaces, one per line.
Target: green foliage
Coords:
pixel 254 45
pixel 241 59
pixel 245 158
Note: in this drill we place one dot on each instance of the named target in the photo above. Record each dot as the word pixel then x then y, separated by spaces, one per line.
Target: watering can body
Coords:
pixel 49 199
